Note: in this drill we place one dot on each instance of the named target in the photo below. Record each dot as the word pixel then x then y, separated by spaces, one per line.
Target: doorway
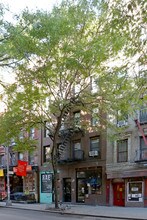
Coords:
pixel 119 194
pixel 81 190
pixel 67 189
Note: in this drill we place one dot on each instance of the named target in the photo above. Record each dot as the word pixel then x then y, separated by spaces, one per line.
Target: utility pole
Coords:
pixel 8 202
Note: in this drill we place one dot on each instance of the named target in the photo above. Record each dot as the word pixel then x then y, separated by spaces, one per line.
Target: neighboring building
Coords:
pixel 127 163
pixel 45 170
pixel 19 184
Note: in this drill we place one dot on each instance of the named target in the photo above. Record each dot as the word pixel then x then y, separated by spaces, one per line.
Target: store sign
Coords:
pixel 21 169
pixel 46 183
pixel 28 168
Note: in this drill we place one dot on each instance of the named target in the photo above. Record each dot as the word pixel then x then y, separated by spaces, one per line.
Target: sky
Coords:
pixel 16 6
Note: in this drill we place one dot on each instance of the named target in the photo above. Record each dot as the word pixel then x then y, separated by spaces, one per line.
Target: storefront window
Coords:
pixel 92 180
pixel 135 191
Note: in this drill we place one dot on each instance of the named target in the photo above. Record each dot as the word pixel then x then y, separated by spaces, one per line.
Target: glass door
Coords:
pixel 81 190
pixel 67 190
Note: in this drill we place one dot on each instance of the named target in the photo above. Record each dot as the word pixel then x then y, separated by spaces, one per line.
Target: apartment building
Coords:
pixel 127 163
pixel 81 166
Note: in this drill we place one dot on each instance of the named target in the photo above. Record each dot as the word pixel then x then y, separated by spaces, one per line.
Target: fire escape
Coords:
pixel 68 129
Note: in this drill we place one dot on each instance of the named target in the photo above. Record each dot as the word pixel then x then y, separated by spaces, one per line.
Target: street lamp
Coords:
pixel 8 202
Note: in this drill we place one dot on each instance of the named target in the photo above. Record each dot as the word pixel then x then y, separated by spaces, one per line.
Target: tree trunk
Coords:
pixel 55 177
pixel 55 183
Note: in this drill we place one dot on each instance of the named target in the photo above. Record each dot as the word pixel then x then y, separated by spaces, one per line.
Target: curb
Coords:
pixel 63 212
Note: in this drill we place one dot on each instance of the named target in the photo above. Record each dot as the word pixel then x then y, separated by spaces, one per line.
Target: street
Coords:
pixel 17 214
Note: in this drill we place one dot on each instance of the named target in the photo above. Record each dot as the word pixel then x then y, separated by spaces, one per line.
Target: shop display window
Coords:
pixel 91 182
pixel 135 191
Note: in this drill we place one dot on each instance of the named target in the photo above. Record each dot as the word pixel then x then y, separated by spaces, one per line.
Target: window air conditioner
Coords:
pixel 122 123
pixel 93 153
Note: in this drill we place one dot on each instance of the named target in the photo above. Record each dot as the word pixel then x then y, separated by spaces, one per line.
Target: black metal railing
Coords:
pixel 78 155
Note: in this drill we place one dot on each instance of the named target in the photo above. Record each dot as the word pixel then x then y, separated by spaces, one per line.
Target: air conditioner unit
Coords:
pixel 93 153
pixel 122 123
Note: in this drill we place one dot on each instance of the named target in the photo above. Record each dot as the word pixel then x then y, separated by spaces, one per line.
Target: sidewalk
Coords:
pixel 86 210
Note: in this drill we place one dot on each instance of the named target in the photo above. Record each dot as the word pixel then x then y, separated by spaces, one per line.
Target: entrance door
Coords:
pixel 67 190
pixel 81 190
pixel 119 194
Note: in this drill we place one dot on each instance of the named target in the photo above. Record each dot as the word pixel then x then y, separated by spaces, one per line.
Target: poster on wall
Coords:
pixel 46 183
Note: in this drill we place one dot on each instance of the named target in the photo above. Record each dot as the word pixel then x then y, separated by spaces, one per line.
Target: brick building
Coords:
pixel 127 163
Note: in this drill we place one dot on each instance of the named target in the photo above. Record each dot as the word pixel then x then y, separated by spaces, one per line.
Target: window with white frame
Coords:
pixel 122 150
pixel 135 191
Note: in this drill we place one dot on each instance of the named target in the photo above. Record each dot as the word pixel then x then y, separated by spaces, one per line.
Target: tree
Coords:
pixel 60 52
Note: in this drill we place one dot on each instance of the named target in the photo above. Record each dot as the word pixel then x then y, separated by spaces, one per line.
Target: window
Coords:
pixel 31 158
pixel 77 119
pixel 135 191
pixel 95 144
pixel 143 149
pixel 94 85
pixel 20 156
pixel 13 160
pixel 78 153
pixel 32 133
pixel 46 154
pixel 2 160
pixel 122 150
pixel 46 129
pixel 95 117
pixel 92 182
pixel 143 115
pixel 122 119
pixel 142 143
pixel 77 145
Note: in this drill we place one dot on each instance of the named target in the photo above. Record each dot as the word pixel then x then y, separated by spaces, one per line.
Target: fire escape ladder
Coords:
pixel 67 133
pixel 141 131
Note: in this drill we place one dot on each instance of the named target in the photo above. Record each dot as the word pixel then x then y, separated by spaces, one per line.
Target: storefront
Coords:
pixel 46 189
pixel 128 191
pixel 25 187
pixel 3 193
pixel 89 185
pixel 83 185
